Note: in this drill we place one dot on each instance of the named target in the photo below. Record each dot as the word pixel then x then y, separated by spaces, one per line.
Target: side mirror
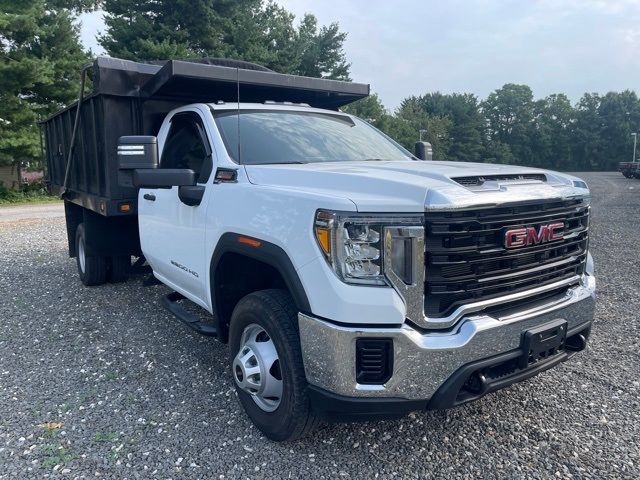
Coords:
pixel 163 177
pixel 140 151
pixel 424 151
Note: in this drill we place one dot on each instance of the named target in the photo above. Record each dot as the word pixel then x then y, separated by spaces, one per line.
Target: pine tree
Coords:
pixel 40 60
pixel 250 30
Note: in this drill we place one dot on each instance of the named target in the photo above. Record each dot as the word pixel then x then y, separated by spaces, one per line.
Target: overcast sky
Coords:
pixel 410 47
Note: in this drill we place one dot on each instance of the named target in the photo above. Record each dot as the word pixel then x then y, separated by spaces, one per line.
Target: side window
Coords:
pixel 185 146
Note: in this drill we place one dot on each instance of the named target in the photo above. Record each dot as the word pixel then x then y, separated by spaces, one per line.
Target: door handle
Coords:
pixel 149 196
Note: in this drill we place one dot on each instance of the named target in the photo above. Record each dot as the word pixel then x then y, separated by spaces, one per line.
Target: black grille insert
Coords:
pixel 466 260
pixel 374 360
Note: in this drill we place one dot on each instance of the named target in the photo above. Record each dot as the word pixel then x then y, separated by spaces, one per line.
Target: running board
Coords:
pixel 170 302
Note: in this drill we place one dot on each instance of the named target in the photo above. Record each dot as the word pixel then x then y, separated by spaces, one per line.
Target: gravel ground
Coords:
pixel 103 382
pixel 27 211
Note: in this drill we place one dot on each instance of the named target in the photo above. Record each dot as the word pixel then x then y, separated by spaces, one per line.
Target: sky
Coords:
pixel 411 47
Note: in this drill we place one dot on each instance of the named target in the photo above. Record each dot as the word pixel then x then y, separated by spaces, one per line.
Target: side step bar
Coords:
pixel 170 302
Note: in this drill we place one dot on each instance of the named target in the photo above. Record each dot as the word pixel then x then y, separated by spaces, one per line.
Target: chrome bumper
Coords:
pixel 424 361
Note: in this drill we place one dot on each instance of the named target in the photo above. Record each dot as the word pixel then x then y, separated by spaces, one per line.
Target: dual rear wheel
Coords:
pixel 98 269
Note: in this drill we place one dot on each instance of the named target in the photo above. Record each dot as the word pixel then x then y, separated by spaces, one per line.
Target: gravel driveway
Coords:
pixel 34 211
pixel 104 383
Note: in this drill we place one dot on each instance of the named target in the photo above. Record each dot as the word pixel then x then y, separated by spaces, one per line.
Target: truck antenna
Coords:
pixel 238 103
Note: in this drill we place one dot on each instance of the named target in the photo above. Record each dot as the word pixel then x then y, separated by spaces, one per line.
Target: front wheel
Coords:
pixel 266 364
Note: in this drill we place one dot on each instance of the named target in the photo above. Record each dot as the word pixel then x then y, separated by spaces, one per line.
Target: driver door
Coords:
pixel 172 232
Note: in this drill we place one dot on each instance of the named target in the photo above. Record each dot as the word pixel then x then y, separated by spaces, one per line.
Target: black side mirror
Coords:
pixel 163 177
pixel 140 151
pixel 424 151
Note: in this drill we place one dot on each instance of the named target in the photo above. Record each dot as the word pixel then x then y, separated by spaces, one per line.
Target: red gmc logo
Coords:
pixel 523 237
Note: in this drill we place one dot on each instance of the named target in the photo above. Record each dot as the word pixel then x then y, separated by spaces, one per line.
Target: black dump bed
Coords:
pixel 130 98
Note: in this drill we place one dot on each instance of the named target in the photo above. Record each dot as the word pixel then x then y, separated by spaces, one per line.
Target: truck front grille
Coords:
pixel 466 260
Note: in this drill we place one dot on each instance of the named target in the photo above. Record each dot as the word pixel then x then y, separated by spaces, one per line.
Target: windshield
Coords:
pixel 277 136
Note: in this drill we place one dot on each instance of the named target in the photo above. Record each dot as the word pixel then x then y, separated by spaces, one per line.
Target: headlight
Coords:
pixel 354 246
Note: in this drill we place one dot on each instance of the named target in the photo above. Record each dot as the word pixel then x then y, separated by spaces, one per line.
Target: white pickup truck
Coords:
pixel 349 278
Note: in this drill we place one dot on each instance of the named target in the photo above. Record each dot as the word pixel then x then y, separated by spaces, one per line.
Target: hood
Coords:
pixel 412 186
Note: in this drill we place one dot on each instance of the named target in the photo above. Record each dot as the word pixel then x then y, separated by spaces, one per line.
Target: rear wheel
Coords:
pixel 266 364
pixel 91 269
pixel 119 266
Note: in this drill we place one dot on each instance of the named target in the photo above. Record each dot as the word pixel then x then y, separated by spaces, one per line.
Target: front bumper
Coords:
pixel 425 363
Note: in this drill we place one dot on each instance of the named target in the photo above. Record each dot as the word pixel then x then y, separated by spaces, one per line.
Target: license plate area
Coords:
pixel 540 343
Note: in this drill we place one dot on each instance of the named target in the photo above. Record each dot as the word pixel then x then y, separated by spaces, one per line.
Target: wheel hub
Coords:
pixel 256 368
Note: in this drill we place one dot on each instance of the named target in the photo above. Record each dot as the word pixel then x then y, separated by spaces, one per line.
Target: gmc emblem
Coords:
pixel 524 237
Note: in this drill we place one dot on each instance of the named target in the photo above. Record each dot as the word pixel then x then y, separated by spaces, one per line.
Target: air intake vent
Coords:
pixel 374 360
pixel 477 181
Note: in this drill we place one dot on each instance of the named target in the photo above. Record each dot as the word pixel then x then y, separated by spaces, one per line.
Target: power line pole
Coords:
pixel 635 141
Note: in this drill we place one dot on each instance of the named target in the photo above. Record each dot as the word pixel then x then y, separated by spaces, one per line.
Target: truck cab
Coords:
pixel 349 278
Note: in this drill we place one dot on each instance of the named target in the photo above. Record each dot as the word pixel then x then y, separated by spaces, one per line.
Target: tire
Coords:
pixel 119 267
pixel 92 270
pixel 274 312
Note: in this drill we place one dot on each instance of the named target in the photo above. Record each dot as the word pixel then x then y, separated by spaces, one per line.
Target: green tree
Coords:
pixel 552 135
pixel 437 128
pixel 369 109
pixel 252 30
pixel 465 122
pixel 586 146
pixel 509 115
pixel 40 60
pixel 619 114
pixel 404 126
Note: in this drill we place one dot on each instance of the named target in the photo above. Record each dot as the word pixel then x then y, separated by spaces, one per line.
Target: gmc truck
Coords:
pixel 350 278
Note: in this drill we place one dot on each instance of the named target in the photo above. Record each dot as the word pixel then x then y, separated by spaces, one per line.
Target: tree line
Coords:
pixel 511 127
pixel 41 56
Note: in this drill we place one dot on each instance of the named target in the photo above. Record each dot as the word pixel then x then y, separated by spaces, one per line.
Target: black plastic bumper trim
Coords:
pixel 341 407
pixel 447 396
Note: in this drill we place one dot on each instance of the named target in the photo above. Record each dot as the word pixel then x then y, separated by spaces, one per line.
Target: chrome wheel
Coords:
pixel 256 368
pixel 81 255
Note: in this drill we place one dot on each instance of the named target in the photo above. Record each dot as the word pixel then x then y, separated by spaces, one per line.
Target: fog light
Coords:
pixel 374 360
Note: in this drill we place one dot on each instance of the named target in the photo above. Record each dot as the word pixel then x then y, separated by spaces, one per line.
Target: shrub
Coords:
pixel 35 192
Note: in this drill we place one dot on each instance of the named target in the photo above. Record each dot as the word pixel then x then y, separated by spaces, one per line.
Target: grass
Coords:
pixel 50 433
pixel 27 200
pixel 106 437
pixel 32 194
pixel 55 455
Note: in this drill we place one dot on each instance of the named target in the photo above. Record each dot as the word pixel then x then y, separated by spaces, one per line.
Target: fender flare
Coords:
pixel 266 252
